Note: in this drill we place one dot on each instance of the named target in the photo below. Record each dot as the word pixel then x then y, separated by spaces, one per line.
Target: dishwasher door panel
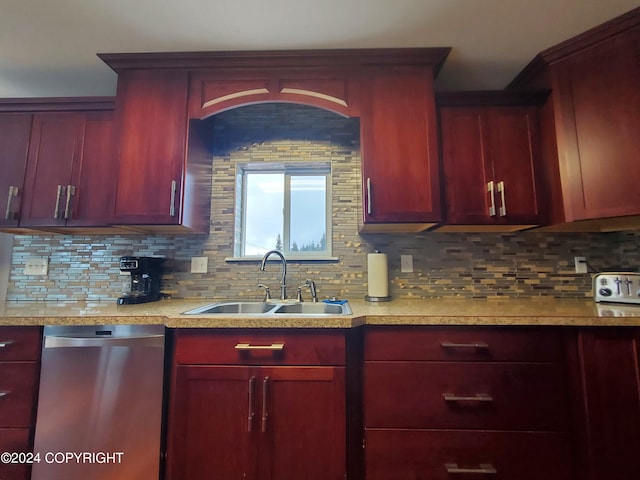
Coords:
pixel 101 399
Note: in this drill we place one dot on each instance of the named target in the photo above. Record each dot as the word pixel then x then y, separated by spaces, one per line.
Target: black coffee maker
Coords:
pixel 146 273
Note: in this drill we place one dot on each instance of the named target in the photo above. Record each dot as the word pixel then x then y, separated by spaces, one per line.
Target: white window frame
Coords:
pixel 289 169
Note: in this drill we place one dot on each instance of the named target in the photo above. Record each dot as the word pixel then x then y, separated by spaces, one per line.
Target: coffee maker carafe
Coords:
pixel 144 286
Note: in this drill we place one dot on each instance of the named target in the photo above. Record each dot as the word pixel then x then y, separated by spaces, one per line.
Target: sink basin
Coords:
pixel 313 309
pixel 233 307
pixel 271 308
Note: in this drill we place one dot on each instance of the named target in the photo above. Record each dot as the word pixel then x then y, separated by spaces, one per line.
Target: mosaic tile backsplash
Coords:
pixel 469 265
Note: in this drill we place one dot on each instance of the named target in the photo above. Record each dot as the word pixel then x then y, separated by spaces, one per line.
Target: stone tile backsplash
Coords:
pixel 470 265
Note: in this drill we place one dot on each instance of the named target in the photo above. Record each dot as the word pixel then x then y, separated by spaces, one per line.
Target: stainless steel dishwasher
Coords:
pixel 100 404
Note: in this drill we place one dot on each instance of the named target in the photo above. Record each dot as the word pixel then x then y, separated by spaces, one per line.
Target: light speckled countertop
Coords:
pixel 454 311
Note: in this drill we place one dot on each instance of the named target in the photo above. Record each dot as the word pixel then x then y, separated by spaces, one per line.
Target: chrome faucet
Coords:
pixel 283 282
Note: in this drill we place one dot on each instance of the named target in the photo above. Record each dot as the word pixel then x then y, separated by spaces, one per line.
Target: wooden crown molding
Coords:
pixel 56 104
pixel 277 58
pixel 577 44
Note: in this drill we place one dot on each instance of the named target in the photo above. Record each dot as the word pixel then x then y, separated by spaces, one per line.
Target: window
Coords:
pixel 285 207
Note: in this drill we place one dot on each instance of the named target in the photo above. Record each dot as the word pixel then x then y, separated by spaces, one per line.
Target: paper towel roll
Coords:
pixel 378 277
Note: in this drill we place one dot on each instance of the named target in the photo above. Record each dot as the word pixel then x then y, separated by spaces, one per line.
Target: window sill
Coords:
pixel 296 259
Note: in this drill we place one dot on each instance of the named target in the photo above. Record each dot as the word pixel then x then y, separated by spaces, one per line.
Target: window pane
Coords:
pixel 308 213
pixel 263 216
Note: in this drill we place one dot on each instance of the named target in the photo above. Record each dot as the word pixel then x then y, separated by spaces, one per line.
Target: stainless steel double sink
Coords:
pixel 272 308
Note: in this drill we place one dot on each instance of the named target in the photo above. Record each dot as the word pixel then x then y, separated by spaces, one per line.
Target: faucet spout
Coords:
pixel 283 282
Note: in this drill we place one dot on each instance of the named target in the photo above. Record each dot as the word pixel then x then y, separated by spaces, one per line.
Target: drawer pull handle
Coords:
pixel 251 412
pixel 475 345
pixel 265 409
pixel 4 394
pixel 478 397
pixel 248 346
pixel 484 468
pixel 5 343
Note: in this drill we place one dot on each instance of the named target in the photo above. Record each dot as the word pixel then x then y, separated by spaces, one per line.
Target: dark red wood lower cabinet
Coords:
pixel 14 441
pixel 611 391
pixel 256 422
pixel 278 423
pixel 393 454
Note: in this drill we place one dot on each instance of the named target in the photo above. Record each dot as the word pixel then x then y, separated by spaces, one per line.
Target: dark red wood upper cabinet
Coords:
pixel 597 100
pixel 56 143
pixel 590 126
pixel 490 157
pixel 400 168
pixel 69 175
pixel 15 129
pixel 151 119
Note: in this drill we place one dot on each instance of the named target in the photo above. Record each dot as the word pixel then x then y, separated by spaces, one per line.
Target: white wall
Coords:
pixel 6 245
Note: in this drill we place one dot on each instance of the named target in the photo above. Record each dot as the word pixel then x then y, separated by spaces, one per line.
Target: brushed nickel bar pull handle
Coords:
pixel 265 397
pixel 71 191
pixel 490 189
pixel 172 206
pixel 369 201
pixel 60 192
pixel 478 397
pixel 248 346
pixel 251 412
pixel 475 345
pixel 503 203
pixel 484 469
pixel 5 343
pixel 13 192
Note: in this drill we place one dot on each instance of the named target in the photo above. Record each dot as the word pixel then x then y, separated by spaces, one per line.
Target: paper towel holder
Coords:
pixel 378 298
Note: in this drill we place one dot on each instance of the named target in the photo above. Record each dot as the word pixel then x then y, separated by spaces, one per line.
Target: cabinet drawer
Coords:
pixel 15 440
pixel 259 347
pixel 490 396
pixel 446 455
pixel 20 343
pixel 463 344
pixel 17 390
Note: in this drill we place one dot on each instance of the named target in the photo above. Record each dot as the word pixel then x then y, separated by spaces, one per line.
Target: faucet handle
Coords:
pixel 267 292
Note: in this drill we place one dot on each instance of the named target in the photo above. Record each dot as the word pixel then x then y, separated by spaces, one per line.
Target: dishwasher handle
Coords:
pixel 142 341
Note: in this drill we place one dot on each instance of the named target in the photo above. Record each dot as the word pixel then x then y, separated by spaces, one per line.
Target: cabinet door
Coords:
pixel 515 151
pixel 302 423
pixel 214 423
pixel 400 171
pixel 466 165
pixel 151 119
pixel 14 145
pixel 93 178
pixel 56 143
pixel 611 385
pixel 598 100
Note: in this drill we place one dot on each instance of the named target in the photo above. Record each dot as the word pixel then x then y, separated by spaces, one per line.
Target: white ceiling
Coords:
pixel 48 47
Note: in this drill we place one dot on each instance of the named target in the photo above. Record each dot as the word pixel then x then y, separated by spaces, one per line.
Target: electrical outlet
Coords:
pixel 37 266
pixel 580 264
pixel 406 263
pixel 199 264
